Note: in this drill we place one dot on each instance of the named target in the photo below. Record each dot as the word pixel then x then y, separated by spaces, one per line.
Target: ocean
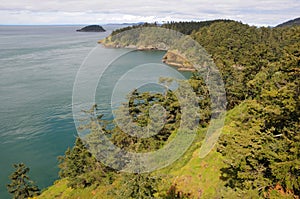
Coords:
pixel 38 67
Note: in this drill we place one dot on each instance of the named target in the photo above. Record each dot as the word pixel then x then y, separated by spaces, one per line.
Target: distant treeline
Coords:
pixel 181 26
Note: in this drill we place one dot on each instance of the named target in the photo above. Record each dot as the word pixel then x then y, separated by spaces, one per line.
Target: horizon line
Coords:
pixel 129 23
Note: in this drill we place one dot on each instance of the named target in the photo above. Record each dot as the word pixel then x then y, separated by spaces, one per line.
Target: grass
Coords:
pixel 60 191
pixel 198 177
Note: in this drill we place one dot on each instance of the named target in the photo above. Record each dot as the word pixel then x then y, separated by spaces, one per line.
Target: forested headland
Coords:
pixel 258 153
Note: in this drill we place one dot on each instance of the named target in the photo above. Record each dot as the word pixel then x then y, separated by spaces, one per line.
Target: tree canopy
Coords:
pixel 261 141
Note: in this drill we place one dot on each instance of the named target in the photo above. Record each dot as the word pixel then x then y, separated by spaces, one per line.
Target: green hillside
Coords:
pixel 258 153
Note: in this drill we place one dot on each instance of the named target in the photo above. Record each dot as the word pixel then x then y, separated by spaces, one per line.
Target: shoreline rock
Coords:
pixel 174 59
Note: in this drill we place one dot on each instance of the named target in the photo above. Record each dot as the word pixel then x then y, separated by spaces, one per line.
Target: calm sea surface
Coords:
pixel 38 66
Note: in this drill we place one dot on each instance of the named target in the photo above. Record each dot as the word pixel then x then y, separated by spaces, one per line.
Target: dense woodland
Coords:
pixel 259 150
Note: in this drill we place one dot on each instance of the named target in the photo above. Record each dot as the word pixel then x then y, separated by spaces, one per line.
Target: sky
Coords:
pixel 253 12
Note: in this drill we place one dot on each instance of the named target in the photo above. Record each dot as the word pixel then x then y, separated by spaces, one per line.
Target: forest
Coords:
pixel 258 152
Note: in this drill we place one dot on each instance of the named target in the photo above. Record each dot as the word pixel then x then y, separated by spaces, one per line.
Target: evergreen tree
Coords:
pixel 263 150
pixel 21 186
pixel 80 166
pixel 138 186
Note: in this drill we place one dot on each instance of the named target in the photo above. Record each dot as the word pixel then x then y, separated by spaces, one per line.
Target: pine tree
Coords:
pixel 80 166
pixel 138 186
pixel 21 186
pixel 76 161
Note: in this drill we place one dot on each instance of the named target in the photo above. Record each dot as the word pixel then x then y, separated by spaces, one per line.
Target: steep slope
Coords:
pixel 257 155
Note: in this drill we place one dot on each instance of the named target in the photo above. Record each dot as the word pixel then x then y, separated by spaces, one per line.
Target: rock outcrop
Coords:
pixel 174 59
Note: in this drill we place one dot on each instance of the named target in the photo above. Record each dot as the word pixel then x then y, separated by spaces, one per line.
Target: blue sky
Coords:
pixel 253 12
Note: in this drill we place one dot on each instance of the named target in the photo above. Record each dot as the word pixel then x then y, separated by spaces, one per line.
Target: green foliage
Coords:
pixel 187 27
pixel 241 52
pixel 80 167
pixel 138 186
pixel 259 150
pixel 264 149
pixel 260 67
pixel 139 106
pixel 117 31
pixel 21 186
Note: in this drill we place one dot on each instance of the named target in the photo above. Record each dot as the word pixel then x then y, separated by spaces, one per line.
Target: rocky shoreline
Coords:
pixel 171 58
pixel 174 59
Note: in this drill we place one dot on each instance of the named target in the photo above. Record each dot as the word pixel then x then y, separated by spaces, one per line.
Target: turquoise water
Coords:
pixel 38 66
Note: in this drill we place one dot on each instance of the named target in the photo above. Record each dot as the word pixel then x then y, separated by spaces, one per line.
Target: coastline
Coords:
pixel 171 58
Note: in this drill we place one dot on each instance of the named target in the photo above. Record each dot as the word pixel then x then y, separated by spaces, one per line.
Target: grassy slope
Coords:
pixel 192 175
pixel 198 176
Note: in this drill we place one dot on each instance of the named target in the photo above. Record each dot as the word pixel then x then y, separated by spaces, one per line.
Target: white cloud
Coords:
pixel 257 12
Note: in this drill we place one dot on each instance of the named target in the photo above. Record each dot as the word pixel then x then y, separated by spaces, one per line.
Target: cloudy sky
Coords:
pixel 254 12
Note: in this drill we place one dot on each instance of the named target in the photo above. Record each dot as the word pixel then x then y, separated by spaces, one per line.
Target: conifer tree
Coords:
pixel 138 186
pixel 75 163
pixel 21 186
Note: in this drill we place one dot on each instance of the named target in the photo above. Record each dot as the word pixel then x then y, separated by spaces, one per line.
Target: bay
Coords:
pixel 38 67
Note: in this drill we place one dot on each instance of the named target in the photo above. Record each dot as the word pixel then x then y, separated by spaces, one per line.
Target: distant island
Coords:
pixel 92 28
